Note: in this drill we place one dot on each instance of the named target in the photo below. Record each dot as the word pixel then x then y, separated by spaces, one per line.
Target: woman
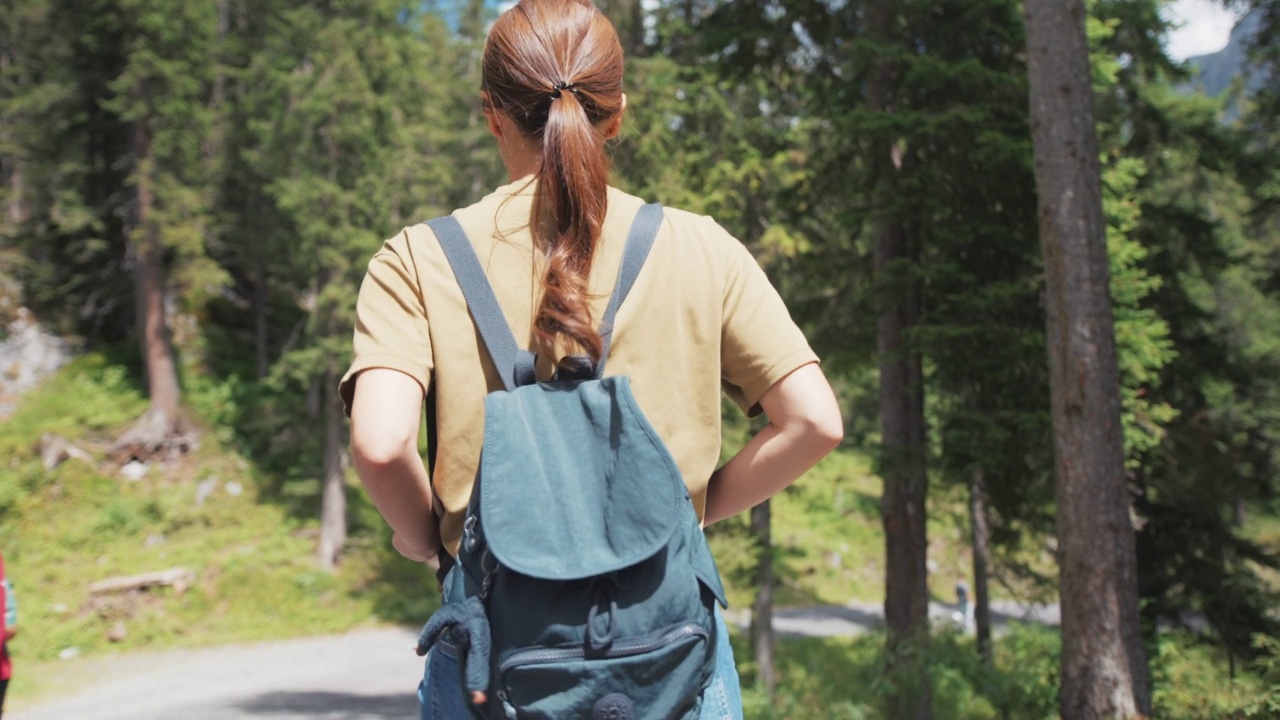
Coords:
pixel 701 316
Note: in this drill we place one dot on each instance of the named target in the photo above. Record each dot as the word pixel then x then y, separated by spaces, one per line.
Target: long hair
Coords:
pixel 555 68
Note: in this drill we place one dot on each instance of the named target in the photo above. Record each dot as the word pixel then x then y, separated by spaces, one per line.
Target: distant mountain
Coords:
pixel 1216 71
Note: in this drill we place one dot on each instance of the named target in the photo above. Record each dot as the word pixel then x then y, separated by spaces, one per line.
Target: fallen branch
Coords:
pixel 178 578
pixel 56 450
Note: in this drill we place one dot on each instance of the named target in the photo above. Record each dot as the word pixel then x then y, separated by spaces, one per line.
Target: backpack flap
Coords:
pixel 576 482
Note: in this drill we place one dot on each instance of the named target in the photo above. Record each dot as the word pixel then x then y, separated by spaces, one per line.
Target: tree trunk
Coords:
pixel 902 507
pixel 333 501
pixel 1104 667
pixel 16 211
pixel 762 612
pixel 261 298
pixel 636 31
pixel 149 289
pixel 981 538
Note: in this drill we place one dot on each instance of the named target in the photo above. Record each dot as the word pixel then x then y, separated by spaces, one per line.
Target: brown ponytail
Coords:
pixel 555 67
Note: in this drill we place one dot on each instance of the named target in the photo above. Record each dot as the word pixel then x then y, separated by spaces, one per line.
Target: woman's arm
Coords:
pixel 804 425
pixel 385 414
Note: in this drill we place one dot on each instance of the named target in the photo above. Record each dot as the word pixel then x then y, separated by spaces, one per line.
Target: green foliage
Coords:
pixel 1200 425
pixel 845 678
pixel 1143 346
pixel 1197 681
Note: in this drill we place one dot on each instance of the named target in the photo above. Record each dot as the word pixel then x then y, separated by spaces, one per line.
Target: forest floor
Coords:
pixel 368 674
pixel 260 631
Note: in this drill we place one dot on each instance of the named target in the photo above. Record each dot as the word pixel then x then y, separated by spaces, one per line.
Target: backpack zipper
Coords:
pixel 621 648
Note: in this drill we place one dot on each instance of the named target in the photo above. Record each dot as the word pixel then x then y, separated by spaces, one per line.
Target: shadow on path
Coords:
pixel 324 704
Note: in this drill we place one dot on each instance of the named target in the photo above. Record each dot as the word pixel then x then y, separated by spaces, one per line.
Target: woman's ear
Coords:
pixel 495 125
pixel 491 116
pixel 614 126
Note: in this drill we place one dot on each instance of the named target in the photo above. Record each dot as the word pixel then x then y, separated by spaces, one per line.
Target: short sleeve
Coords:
pixel 760 343
pixel 391 322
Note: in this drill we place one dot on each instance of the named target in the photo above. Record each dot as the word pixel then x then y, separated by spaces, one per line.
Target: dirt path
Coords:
pixel 364 675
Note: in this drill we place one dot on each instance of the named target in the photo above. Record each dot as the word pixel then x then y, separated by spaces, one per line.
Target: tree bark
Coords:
pixel 261 299
pixel 902 506
pixel 1104 667
pixel 149 289
pixel 981 538
pixel 637 30
pixel 762 638
pixel 333 501
pixel 16 210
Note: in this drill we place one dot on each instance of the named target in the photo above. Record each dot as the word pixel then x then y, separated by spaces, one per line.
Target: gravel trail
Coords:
pixel 363 675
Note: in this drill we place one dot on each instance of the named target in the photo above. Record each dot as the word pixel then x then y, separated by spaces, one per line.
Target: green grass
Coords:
pixel 63 530
pixel 829 540
pixel 828 534
pixel 845 678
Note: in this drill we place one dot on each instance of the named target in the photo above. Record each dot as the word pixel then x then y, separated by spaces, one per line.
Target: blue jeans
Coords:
pixel 440 692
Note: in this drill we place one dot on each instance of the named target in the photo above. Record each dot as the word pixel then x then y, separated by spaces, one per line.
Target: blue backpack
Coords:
pixel 584 587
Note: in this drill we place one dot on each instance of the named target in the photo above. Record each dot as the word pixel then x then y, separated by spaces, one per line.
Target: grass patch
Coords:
pixel 255 579
pixel 845 679
pixel 829 540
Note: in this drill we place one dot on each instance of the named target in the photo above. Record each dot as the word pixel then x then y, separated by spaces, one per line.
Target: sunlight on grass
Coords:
pixel 67 528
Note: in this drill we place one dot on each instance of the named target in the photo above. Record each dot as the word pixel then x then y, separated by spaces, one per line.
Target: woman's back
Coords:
pixel 701 316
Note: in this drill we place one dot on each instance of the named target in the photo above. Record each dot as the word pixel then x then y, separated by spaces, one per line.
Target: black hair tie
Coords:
pixel 562 85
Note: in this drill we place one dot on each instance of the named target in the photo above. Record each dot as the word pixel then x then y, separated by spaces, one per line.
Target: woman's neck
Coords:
pixel 520 155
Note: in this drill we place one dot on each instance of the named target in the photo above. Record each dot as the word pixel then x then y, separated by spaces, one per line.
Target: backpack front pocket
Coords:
pixel 632 679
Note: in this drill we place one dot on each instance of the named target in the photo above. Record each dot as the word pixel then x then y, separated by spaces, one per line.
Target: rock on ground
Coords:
pixel 28 355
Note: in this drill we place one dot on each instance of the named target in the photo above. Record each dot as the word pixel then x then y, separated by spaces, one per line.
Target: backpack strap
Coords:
pixel 644 230
pixel 514 369
pixel 516 365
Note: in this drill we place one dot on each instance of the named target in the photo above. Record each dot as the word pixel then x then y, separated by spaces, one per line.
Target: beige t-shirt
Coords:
pixel 701 316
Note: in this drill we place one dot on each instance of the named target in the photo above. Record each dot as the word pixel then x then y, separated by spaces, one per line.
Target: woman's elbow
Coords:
pixel 372 452
pixel 826 428
pixel 820 414
pixel 385 412
pixel 804 406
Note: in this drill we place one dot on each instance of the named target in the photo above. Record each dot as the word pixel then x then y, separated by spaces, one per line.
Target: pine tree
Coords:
pixel 162 93
pixel 356 147
pixel 1104 670
pixel 1200 378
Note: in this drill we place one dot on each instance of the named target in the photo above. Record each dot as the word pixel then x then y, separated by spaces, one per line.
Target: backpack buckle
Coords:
pixel 599 643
